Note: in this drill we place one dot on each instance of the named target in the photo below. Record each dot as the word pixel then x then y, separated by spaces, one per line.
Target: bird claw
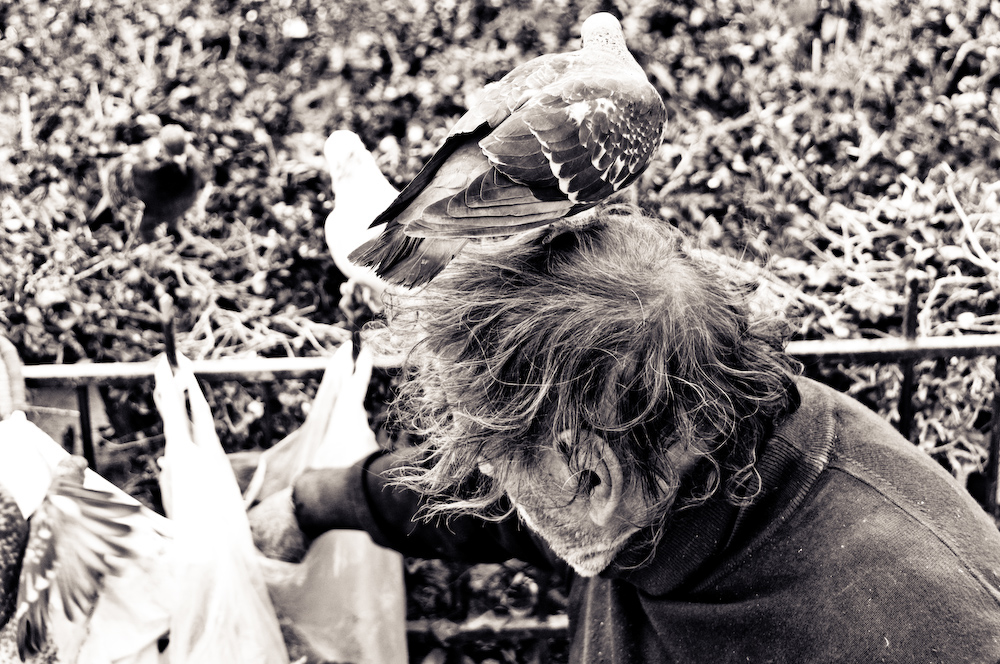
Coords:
pixel 555 230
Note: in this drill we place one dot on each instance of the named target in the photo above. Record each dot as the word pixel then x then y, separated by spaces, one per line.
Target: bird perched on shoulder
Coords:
pixel 360 193
pixel 164 173
pixel 78 536
pixel 553 138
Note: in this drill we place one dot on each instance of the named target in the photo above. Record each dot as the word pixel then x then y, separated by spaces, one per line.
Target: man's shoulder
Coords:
pixel 866 445
pixel 893 491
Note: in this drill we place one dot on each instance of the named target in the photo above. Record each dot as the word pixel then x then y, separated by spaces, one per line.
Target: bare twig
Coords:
pixel 982 259
pixel 27 143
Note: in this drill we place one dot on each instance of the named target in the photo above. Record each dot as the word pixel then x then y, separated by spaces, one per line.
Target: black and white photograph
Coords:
pixel 499 331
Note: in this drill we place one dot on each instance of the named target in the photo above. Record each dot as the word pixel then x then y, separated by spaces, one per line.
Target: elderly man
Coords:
pixel 607 400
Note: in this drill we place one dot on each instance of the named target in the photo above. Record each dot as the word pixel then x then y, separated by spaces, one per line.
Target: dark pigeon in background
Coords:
pixel 164 173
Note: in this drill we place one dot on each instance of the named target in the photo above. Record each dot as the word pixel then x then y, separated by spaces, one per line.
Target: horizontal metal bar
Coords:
pixel 894 349
pixel 262 369
pixel 489 626
pixel 257 369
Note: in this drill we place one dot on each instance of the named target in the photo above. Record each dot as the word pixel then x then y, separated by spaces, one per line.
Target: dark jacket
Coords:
pixel 859 549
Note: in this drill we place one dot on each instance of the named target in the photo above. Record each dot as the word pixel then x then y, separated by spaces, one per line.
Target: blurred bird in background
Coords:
pixel 551 139
pixel 164 173
pixel 78 536
pixel 360 191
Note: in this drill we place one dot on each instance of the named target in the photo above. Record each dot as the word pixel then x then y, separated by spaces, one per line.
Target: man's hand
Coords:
pixel 275 529
pixel 285 523
pixel 323 499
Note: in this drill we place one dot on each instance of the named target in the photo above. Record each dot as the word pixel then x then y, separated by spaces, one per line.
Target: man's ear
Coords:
pixel 603 475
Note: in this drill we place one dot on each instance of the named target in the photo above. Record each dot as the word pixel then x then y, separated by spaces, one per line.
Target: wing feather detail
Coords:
pixel 582 130
pixel 78 537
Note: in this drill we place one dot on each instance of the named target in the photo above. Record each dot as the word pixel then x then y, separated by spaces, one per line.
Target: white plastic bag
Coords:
pixel 222 611
pixel 281 463
pixel 345 601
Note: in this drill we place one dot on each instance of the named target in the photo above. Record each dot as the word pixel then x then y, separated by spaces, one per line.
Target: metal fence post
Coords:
pixel 993 455
pixel 906 387
pixel 86 426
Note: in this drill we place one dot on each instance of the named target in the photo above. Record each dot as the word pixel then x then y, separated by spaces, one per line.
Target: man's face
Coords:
pixel 564 524
pixel 587 529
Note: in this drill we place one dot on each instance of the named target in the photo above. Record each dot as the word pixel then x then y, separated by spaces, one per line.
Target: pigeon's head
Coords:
pixel 603 31
pixel 173 138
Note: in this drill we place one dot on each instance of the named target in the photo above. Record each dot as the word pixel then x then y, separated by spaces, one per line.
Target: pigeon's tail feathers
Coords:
pixel 120 183
pixel 420 181
pixel 404 260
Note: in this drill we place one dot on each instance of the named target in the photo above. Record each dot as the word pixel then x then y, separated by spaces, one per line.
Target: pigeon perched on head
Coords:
pixel 78 536
pixel 553 138
pixel 163 172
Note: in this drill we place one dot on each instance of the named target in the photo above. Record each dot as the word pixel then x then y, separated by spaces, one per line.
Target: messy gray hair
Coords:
pixel 614 328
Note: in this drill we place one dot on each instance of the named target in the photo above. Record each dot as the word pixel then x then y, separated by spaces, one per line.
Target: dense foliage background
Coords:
pixel 843 146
